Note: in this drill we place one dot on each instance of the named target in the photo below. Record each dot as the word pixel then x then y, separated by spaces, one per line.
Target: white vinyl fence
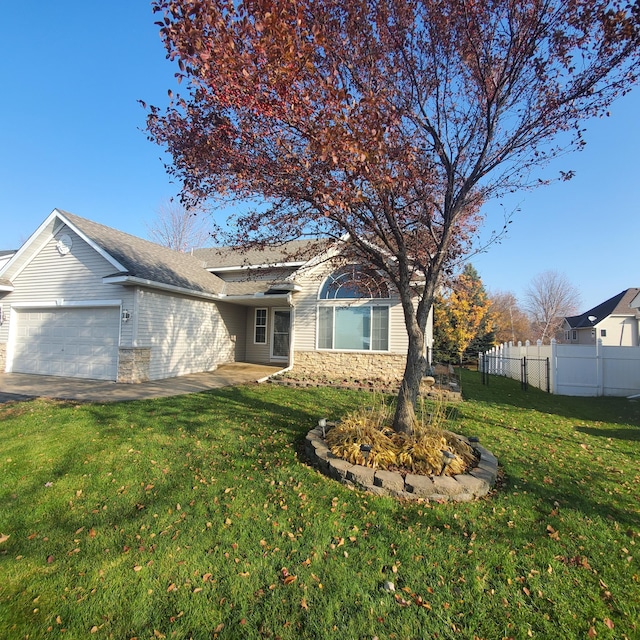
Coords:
pixel 568 369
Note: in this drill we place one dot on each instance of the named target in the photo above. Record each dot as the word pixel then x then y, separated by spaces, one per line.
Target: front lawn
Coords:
pixel 197 517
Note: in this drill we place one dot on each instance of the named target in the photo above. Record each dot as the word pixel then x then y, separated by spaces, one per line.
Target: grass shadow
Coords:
pixel 632 434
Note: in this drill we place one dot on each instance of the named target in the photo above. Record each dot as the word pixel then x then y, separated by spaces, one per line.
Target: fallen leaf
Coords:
pixel 401 601
pixel 206 576
pixel 4 538
pixel 289 579
pixel 592 632
pixel 94 629
pixel 609 623
pixel 304 604
pixel 137 568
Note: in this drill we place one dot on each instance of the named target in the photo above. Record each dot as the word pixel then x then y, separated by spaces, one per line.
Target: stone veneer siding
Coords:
pixel 133 364
pixel 349 364
pixel 3 357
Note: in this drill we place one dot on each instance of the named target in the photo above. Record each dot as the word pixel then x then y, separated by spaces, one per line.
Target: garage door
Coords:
pixel 79 342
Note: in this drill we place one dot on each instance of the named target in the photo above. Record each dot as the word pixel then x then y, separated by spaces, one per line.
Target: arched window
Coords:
pixel 353 282
pixel 357 326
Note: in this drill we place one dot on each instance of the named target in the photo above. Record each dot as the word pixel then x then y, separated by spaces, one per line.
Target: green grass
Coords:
pixel 181 517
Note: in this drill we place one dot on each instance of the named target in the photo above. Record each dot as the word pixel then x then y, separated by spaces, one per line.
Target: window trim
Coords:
pixel 257 326
pixel 339 303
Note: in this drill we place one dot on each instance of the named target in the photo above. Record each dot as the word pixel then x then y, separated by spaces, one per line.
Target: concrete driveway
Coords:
pixel 22 386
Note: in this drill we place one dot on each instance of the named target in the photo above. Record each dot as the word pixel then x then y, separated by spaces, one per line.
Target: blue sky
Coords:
pixel 71 137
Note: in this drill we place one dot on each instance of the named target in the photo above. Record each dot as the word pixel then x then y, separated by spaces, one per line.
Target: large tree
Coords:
pixel 391 121
pixel 549 298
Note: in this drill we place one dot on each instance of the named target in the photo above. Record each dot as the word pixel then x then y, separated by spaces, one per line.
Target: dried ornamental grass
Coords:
pixel 420 452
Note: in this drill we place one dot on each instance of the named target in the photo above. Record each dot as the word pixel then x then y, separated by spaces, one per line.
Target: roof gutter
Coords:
pixel 259 298
pixel 252 267
pixel 126 280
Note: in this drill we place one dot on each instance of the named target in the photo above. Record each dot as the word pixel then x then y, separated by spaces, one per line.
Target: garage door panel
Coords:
pixel 80 342
pixel 56 369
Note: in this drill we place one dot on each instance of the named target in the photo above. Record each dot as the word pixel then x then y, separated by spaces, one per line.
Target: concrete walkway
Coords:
pixel 22 386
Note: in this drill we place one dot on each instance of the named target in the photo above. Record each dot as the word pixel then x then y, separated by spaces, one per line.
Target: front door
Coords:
pixel 281 334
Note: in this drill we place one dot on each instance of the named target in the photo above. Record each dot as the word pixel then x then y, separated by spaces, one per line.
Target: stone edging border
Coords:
pixel 459 488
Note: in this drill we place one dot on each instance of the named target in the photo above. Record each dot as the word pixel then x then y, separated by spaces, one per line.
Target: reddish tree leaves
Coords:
pixel 389 120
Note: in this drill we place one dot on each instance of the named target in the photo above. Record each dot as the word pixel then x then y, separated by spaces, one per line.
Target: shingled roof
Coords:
pixel 146 260
pixel 618 305
pixel 294 252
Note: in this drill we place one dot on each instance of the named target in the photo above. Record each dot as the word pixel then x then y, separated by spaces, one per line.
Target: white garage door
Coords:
pixel 79 342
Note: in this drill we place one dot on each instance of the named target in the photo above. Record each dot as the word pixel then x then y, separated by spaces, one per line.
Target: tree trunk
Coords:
pixel 404 418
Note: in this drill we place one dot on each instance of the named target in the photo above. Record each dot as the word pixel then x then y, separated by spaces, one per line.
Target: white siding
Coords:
pixel 51 280
pixel 257 353
pixel 622 331
pixel 187 335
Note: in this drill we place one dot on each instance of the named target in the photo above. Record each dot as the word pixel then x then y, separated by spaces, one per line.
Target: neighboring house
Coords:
pixel 615 322
pixel 80 299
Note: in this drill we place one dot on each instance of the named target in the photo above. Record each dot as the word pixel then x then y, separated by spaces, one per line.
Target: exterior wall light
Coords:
pixel 126 315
